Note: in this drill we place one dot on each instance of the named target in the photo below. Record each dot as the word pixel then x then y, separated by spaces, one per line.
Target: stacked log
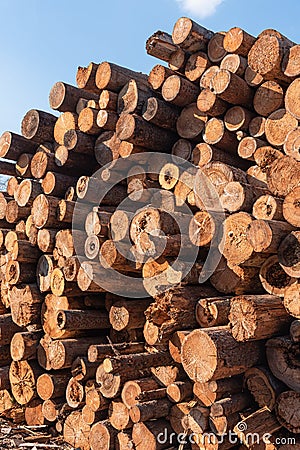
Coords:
pixel 189 358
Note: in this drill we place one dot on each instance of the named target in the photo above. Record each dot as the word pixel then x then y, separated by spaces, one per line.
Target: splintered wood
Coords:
pixel 206 225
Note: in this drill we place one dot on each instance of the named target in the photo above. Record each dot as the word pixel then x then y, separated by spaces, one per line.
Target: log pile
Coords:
pixel 187 358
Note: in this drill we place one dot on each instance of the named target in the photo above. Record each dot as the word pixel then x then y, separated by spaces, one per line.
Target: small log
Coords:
pixel 238 41
pixel 213 312
pixel 107 148
pixel 266 235
pixel 191 122
pixel 115 364
pixel 215 48
pixel 179 91
pixel 278 125
pixel 128 314
pixel 153 409
pixel 66 121
pixel 175 342
pixel 14 212
pixel 79 142
pixel 24 345
pixel 52 385
pixel 234 63
pixel 209 103
pixel 268 98
pixel 255 317
pixel 160 113
pixel 85 78
pixel 230 405
pixel 25 303
pixel 257 126
pixel 290 104
pixel 97 353
pixel 45 267
pixel 212 391
pixel 267 207
pixel 196 65
pixel 106 120
pixel 12 184
pixel 237 118
pixel 63 97
pixel 273 278
pixel 227 357
pixel 95 400
pixel 87 121
pixel 158 75
pixel 291 207
pixel 180 391
pixel 216 134
pixel 23 165
pixel 161 46
pixel 235 246
pixel 108 100
pixel 74 393
pixel 102 434
pixel 72 320
pixel 188 416
pixel 132 390
pixel 38 126
pixel 231 88
pixel 26 192
pixel 83 370
pixel 182 149
pixel 19 272
pixel 208 76
pixel 203 154
pixel 190 36
pixel 23 251
pixel 90 417
pixel 263 386
pixel 64 352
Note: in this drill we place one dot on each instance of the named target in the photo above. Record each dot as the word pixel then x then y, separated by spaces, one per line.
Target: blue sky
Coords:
pixel 43 41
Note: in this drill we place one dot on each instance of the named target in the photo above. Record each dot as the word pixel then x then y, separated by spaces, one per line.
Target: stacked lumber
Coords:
pixel 187 358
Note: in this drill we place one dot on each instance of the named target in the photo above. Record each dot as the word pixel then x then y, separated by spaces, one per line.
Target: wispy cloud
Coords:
pixel 200 8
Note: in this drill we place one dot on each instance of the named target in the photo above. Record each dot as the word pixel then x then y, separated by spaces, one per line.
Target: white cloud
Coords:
pixel 200 8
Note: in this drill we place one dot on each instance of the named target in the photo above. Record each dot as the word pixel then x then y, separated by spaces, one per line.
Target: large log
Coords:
pixel 113 77
pixel 190 36
pixel 13 145
pixel 223 355
pixel 264 387
pixel 23 376
pixel 287 407
pixel 85 78
pixel 282 359
pixel 254 317
pixel 273 278
pixel 38 126
pixel 288 254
